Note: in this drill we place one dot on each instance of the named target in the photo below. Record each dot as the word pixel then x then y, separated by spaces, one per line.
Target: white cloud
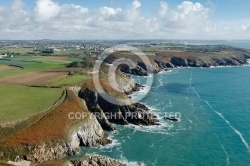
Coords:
pixel 187 15
pixel 133 10
pixel 45 10
pixel 108 11
pixel 49 19
pixel 163 8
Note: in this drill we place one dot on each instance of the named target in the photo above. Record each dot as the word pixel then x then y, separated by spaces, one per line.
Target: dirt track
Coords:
pixel 33 78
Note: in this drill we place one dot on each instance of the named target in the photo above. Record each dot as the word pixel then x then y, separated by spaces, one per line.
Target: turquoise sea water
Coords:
pixel 214 127
pixel 214 104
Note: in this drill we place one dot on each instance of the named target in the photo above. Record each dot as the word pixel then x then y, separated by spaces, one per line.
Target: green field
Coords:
pixel 37 62
pixel 71 80
pixel 47 65
pixel 68 52
pixel 19 102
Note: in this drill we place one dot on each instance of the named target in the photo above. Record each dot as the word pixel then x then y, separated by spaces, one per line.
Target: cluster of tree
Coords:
pixel 12 53
pixel 87 62
pixel 45 51
pixel 82 64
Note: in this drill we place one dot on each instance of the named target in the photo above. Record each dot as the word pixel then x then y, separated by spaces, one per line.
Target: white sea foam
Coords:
pixel 114 143
pixel 192 123
pixel 226 66
pixel 159 83
pixel 222 117
pixel 248 61
pixel 140 93
pixel 233 128
pixel 124 160
pixel 164 71
pixel 164 127
pixel 151 108
pixel 190 83
pixel 160 129
pixel 152 145
pixel 132 163
pixel 227 156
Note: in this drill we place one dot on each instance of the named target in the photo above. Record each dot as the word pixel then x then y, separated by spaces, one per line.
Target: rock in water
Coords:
pixel 96 160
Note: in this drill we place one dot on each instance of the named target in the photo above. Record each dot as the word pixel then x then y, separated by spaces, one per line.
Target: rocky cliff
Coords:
pixel 93 159
pixel 92 103
pixel 214 56
pixel 55 135
pixel 198 59
pixel 137 114
pixel 137 66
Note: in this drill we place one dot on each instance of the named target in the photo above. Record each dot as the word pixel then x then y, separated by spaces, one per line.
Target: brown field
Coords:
pixel 4 68
pixel 63 70
pixel 33 78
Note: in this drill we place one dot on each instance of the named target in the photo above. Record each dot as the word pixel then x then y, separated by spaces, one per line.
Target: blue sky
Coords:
pixel 201 19
pixel 225 9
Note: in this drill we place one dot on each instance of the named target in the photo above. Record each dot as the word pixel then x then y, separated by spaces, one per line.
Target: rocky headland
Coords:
pixel 209 56
pixel 54 135
pixel 47 138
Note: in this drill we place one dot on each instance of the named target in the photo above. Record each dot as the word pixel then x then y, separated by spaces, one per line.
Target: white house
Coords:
pixel 2 56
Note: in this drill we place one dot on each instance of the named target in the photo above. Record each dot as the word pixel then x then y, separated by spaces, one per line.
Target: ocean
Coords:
pixel 214 128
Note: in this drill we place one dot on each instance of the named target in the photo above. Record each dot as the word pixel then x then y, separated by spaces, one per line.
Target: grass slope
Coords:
pixel 54 125
pixel 18 102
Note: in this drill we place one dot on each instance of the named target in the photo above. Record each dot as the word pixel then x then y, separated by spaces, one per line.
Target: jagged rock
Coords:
pixel 178 61
pixel 126 84
pixel 142 69
pixel 135 113
pixel 91 99
pixel 150 68
pixel 139 105
pixel 48 151
pixel 135 71
pixel 90 133
pixel 96 160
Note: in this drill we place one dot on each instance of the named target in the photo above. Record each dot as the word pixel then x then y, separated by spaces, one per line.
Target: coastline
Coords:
pixel 139 126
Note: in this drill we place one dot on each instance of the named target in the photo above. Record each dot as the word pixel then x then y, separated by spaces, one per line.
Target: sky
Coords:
pixel 125 19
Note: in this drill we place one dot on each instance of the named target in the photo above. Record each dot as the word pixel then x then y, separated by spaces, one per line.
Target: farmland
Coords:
pixel 37 62
pixel 18 74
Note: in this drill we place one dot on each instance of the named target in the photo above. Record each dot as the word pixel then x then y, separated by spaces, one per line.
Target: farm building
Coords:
pixel 2 56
